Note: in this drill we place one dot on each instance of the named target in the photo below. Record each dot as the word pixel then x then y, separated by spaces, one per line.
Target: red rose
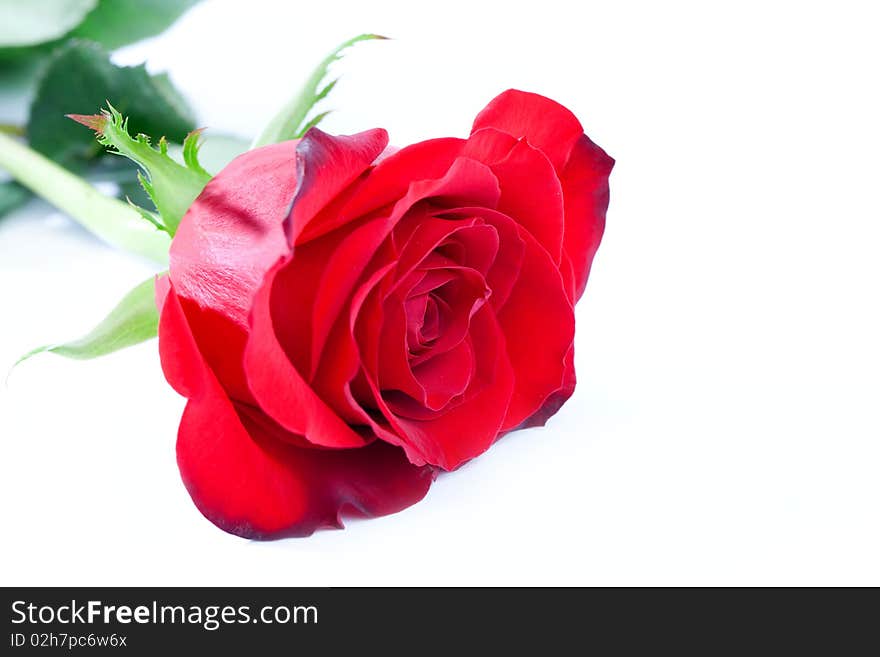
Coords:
pixel 345 324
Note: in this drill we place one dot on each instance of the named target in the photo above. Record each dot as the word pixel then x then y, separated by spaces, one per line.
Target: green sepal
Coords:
pixel 152 217
pixel 172 186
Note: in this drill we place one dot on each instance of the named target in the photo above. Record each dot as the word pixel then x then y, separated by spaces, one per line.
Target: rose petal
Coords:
pixel 489 145
pixel 458 300
pixel 532 196
pixel 465 179
pixel 585 188
pixel 531 193
pixel 467 241
pixel 583 167
pixel 505 268
pixel 468 429
pixel 546 124
pixel 247 481
pixel 341 363
pixel 339 272
pixel 280 388
pixel 394 371
pixel 161 286
pixel 537 316
pixel 445 378
pixel 326 165
pixel 446 375
pixel 538 323
pixel 391 178
pixel 225 244
pixel 231 236
pixel 556 399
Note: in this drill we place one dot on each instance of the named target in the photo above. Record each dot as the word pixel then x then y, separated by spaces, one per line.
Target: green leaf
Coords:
pixel 134 320
pixel 171 186
pixel 293 120
pixel 12 195
pixel 31 28
pixel 80 78
pixel 169 94
pixel 29 22
pixel 111 220
pixel 115 23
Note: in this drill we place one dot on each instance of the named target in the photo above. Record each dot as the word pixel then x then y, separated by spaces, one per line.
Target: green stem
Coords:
pixel 113 221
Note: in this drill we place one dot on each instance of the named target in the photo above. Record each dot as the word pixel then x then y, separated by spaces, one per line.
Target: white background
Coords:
pixel 725 426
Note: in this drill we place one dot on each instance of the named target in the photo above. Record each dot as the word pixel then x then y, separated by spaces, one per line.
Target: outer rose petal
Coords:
pixel 555 401
pixel 325 166
pixel 530 190
pixel 225 244
pixel 250 482
pixel 161 285
pixel 585 189
pixel 231 235
pixel 583 168
pixel 538 312
pixel 545 123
